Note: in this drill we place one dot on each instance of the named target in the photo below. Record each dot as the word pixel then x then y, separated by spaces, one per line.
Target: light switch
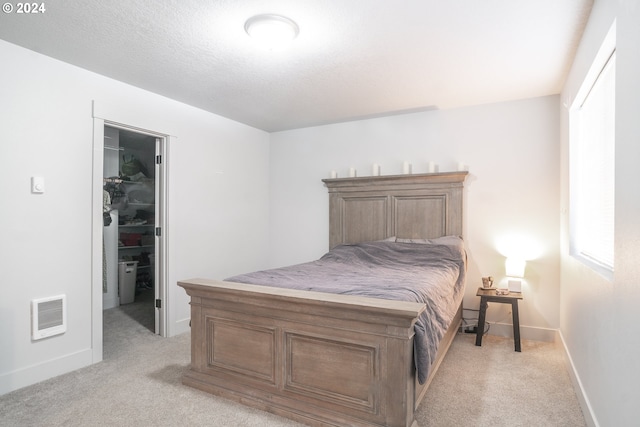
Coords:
pixel 37 184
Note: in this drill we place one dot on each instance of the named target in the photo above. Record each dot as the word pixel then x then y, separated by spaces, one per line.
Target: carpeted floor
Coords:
pixel 493 385
pixel 138 384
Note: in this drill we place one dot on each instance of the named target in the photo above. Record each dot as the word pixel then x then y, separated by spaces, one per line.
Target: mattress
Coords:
pixel 424 271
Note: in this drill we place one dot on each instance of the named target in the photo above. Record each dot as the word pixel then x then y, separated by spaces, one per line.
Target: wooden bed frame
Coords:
pixel 325 359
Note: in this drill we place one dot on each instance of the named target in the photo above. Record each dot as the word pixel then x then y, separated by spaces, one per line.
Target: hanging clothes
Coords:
pixel 106 219
pixel 117 192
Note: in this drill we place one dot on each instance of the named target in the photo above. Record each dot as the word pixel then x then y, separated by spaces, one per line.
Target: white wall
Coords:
pixel 598 317
pixel 511 150
pixel 47 125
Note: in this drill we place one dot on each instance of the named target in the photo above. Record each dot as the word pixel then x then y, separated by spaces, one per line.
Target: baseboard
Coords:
pixel 43 371
pixel 180 327
pixel 581 394
pixel 552 335
pixel 526 332
pixel 110 302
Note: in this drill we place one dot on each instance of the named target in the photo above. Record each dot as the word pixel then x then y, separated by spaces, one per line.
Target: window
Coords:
pixel 592 164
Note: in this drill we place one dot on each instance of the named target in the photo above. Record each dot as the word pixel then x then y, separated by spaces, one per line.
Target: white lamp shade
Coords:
pixel 515 267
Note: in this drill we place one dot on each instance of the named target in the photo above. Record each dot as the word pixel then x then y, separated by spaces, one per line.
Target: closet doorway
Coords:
pixel 133 212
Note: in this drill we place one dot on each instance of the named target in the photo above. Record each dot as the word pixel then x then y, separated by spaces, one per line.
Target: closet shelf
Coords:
pixel 108 147
pixel 135 247
pixel 141 205
pixel 146 181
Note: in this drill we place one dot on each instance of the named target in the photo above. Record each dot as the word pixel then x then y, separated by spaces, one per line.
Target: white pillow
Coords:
pixel 388 239
pixel 444 240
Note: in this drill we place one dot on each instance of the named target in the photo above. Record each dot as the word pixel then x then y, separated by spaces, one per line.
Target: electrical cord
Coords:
pixel 488 325
pixel 466 322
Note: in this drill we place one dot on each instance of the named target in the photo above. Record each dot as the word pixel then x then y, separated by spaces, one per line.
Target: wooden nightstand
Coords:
pixel 489 295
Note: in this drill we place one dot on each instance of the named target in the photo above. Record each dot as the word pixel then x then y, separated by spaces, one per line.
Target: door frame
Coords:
pixel 162 270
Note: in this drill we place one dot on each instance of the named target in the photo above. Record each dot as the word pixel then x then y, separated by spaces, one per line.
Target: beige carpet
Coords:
pixel 138 384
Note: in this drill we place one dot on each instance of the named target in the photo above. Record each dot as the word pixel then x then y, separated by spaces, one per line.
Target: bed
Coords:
pixel 333 358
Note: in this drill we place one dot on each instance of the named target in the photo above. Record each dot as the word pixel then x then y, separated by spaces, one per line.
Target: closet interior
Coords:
pixel 129 223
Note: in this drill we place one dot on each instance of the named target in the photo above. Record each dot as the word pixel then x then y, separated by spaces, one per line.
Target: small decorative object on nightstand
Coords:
pixel 487 282
pixel 490 295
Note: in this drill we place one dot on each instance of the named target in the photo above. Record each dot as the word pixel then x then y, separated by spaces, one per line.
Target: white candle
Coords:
pixel 461 166
pixel 432 167
pixel 375 169
pixel 352 172
pixel 406 168
pixel 334 174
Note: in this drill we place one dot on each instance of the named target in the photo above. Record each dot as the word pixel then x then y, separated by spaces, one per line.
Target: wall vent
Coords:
pixel 48 317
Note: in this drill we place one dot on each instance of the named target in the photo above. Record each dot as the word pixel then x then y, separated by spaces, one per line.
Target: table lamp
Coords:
pixel 515 272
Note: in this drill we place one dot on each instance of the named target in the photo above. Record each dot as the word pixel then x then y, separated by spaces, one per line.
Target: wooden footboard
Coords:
pixel 317 358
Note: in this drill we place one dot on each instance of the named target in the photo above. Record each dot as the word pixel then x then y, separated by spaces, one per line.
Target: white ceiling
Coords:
pixel 352 59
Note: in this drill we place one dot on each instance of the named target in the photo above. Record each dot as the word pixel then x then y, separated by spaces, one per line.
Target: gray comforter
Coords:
pixel 430 273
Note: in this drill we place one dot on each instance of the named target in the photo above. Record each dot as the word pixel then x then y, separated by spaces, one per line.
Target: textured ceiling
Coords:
pixel 352 59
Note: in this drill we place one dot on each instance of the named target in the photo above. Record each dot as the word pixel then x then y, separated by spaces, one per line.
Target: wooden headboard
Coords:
pixel 406 206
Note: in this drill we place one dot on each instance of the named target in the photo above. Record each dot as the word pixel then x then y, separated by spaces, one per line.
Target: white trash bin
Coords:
pixel 127 273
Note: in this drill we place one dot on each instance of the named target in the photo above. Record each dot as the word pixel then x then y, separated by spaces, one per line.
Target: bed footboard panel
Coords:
pixel 317 358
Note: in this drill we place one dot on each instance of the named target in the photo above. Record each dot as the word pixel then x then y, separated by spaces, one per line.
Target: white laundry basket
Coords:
pixel 127 273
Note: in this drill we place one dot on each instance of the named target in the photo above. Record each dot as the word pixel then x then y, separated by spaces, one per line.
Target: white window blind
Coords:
pixel 592 151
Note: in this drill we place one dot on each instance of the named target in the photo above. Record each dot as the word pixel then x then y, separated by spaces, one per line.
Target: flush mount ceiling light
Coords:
pixel 271 31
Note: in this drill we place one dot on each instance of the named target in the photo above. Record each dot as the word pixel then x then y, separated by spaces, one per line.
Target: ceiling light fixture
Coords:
pixel 272 31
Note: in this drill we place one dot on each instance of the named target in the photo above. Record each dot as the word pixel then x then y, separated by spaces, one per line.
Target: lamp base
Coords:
pixel 515 285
